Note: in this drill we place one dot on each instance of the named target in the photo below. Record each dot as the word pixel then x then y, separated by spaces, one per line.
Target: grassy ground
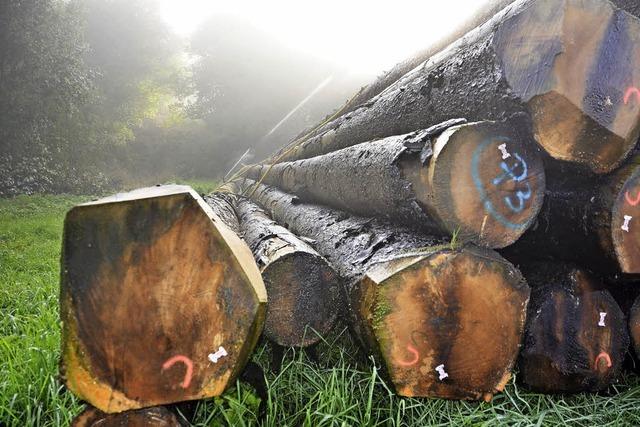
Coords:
pixel 344 390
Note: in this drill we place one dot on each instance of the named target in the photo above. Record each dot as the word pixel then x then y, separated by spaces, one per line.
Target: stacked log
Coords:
pixel 160 301
pixel 482 181
pixel 576 335
pixel 302 288
pixel 569 64
pixel 418 303
pixel 518 136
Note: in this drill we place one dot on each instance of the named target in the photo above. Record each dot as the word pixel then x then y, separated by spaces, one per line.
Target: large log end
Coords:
pixel 576 63
pixel 487 181
pixel 576 336
pixel 159 301
pixel 625 224
pixel 445 325
pixel 304 299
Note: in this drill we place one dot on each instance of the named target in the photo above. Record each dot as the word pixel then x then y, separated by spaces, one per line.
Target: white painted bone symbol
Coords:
pixel 214 357
pixel 440 370
pixel 625 226
pixel 602 316
pixel 505 153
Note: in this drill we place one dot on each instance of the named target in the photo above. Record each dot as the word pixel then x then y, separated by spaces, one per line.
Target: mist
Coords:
pixel 103 95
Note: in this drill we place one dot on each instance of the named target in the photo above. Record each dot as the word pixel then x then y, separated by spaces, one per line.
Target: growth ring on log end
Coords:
pixel 445 325
pixel 576 63
pixel 576 336
pixel 160 302
pixel 625 224
pixel 488 182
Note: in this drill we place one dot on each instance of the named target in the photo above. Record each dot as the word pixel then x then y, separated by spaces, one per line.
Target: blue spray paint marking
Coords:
pixel 508 172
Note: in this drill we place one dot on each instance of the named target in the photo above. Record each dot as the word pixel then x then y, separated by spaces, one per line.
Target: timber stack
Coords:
pixel 470 213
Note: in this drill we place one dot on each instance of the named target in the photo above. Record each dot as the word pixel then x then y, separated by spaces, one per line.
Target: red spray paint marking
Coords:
pixel 604 355
pixel 630 201
pixel 631 91
pixel 416 357
pixel 187 362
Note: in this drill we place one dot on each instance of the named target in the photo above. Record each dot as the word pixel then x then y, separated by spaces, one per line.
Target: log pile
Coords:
pixel 468 218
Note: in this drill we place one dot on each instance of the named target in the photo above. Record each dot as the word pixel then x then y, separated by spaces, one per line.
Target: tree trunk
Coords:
pixel 403 67
pixel 157 416
pixel 596 223
pixel 302 289
pixel 570 64
pixel 576 336
pixel 483 182
pixel 160 301
pixel 417 303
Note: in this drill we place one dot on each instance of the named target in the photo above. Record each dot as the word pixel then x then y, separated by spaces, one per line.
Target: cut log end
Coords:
pixel 625 224
pixel 447 325
pixel 586 108
pixel 304 299
pixel 156 416
pixel 634 326
pixel 487 182
pixel 150 288
pixel 576 336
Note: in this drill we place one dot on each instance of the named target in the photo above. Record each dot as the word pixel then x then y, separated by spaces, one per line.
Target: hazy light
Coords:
pixel 364 36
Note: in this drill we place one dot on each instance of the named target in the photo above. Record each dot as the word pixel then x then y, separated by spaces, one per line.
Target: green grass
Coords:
pixel 345 390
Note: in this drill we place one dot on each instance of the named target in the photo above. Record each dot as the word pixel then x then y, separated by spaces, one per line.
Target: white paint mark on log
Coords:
pixel 441 372
pixel 625 226
pixel 602 316
pixel 214 357
pixel 505 153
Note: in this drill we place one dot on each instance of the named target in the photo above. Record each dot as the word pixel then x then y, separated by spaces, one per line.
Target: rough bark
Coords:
pixel 570 64
pixel 631 6
pixel 403 67
pixel 417 303
pixel 302 288
pixel 596 223
pixel 156 416
pixel 576 336
pixel 459 182
pixel 152 284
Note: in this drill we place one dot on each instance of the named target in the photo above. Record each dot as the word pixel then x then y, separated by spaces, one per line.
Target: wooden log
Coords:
pixel 418 304
pixel 572 65
pixel 397 71
pixel 576 336
pixel 634 327
pixel 302 288
pixel 156 416
pixel 160 301
pixel 482 181
pixel 596 223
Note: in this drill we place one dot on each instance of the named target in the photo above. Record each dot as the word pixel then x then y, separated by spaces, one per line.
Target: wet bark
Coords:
pixel 410 294
pixel 576 336
pixel 528 58
pixel 442 183
pixel 631 6
pixel 303 290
